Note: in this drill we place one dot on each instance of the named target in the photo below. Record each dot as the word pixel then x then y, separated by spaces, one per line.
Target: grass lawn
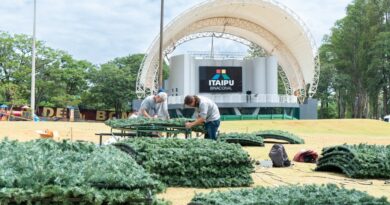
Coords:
pixel 316 133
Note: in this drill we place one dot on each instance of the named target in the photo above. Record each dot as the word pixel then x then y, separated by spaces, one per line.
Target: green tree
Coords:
pixel 15 97
pixel 326 91
pixel 349 38
pixel 358 46
pixel 59 78
pixel 113 84
pixel 111 87
pixel 14 68
pixel 379 72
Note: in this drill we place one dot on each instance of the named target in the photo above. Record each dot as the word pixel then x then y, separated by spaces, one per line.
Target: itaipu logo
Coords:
pixel 217 81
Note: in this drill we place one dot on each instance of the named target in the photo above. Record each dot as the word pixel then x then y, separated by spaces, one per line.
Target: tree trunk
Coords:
pixel 375 106
pixel 322 110
pixel 355 106
pixel 341 106
pixel 385 100
pixel 366 107
pixel 118 110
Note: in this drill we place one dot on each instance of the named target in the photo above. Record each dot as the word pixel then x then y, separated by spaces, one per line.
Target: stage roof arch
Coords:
pixel 266 23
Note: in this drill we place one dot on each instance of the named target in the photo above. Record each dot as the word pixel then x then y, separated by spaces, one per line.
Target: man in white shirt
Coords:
pixel 153 106
pixel 208 114
pixel 162 108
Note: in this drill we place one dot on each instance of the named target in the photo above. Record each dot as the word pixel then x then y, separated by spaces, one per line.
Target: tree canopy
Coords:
pixel 62 80
pixel 355 68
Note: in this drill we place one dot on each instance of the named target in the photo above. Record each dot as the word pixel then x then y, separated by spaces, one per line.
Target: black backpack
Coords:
pixel 279 156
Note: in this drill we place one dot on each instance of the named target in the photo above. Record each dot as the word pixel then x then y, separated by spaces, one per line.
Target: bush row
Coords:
pixel 48 170
pixel 280 135
pixel 192 162
pixel 244 139
pixel 357 161
pixel 293 195
pixel 151 124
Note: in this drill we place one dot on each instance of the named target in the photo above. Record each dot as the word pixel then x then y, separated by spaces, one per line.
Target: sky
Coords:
pixel 101 30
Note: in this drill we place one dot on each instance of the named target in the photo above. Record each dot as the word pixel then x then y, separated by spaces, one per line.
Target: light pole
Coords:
pixel 33 65
pixel 161 45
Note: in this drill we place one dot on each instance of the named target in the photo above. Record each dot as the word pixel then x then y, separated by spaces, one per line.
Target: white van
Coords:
pixel 387 118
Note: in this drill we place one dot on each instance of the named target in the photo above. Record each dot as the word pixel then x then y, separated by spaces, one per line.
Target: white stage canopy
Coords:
pixel 266 23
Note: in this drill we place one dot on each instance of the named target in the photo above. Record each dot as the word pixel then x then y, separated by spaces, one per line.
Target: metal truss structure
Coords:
pixel 194 36
pixel 284 78
pixel 313 89
pixel 291 42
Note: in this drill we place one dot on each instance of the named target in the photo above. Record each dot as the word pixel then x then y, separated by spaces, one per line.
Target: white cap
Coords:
pixel 163 96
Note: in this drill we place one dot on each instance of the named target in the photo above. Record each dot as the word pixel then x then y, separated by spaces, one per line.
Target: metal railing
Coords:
pixel 241 98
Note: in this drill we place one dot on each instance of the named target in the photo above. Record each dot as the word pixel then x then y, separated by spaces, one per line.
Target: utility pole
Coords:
pixel 161 45
pixel 33 65
pixel 212 47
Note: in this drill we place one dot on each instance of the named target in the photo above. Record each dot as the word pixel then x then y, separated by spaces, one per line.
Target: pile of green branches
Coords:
pixel 292 195
pixel 357 161
pixel 257 138
pixel 45 171
pixel 192 162
pixel 280 135
pixel 244 139
pixel 151 123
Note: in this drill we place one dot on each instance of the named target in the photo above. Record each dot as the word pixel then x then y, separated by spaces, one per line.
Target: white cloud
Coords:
pixel 100 30
pixel 319 16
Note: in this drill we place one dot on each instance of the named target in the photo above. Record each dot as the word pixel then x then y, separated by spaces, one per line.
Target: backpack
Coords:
pixel 279 156
pixel 309 156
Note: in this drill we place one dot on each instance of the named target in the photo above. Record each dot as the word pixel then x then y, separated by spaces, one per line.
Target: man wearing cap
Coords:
pixel 162 108
pixel 151 106
pixel 208 113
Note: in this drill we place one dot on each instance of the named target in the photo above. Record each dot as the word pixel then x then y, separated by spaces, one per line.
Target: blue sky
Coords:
pixel 100 30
